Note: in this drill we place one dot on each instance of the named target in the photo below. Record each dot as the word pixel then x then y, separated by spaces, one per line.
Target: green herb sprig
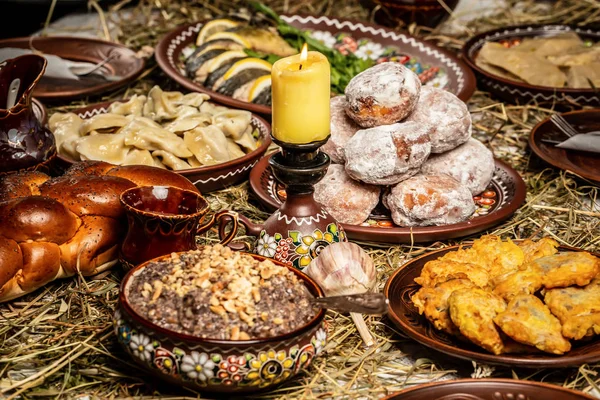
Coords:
pixel 343 67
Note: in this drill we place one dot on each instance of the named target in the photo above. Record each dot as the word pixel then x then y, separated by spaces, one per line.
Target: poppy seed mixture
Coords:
pixel 216 293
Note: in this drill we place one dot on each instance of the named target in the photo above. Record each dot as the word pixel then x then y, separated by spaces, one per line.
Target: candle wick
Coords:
pixel 300 67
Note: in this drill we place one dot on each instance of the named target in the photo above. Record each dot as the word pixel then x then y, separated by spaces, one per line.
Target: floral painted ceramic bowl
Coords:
pixel 224 366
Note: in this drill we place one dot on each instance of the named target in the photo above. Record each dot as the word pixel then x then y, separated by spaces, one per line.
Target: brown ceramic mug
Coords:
pixel 165 219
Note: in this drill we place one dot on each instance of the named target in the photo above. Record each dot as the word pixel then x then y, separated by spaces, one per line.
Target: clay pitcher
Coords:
pixel 25 144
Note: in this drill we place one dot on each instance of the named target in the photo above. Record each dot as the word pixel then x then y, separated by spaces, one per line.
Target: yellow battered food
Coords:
pixel 473 311
pixel 527 320
pixel 526 281
pixel 440 271
pixel 542 248
pixel 433 302
pixel 578 309
pixel 567 269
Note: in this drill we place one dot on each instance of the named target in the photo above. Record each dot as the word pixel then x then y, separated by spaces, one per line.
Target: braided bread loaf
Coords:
pixel 51 228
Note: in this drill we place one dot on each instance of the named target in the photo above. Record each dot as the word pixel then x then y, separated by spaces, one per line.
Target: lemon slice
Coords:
pixel 223 58
pixel 259 85
pixel 247 63
pixel 229 36
pixel 212 27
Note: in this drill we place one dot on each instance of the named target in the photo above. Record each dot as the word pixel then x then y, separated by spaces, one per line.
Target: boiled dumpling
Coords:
pixel 193 99
pixel 159 105
pixel 138 157
pixel 65 128
pixel 147 122
pixel 233 123
pixel 107 147
pixel 212 108
pixel 193 161
pixel 247 141
pixel 132 107
pixel 150 138
pixel 208 144
pixel 185 111
pixel 234 149
pixel 103 121
pixel 170 160
pixel 189 123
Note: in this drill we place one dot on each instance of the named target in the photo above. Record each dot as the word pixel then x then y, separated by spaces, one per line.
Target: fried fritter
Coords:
pixel 526 281
pixel 542 248
pixel 472 310
pixel 567 269
pixel 527 320
pixel 433 302
pixel 492 254
pixel 578 309
pixel 438 271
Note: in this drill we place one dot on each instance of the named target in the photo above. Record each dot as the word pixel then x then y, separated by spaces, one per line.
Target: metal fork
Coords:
pixel 562 124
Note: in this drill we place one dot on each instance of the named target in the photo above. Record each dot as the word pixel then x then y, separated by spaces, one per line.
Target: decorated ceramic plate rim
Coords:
pixel 168 50
pixel 394 234
pixel 310 284
pixel 537 360
pixel 476 42
pixel 258 122
pixel 533 143
pixel 490 383
pixel 78 92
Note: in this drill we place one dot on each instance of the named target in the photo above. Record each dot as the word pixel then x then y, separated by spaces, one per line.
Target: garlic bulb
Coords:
pixel 343 268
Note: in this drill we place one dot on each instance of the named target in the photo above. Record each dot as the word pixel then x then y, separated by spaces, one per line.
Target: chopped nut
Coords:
pixel 218 310
pixel 147 286
pixel 264 316
pixel 277 321
pixel 214 301
pixel 244 336
pixel 256 294
pixel 235 333
pixel 229 306
pixel 158 286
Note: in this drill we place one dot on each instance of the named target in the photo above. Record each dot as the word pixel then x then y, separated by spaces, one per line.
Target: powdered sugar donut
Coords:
pixel 342 129
pixel 430 200
pixel 448 115
pixel 471 163
pixel 348 201
pixel 387 154
pixel 383 94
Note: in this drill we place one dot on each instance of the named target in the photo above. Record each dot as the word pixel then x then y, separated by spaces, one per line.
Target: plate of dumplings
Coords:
pixel 526 303
pixel 405 167
pixel 211 145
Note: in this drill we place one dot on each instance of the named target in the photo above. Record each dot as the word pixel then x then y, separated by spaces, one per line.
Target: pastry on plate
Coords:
pixel 578 309
pixel 527 320
pixel 424 200
pixel 542 248
pixel 342 128
pixel 448 115
pixel 383 94
pixel 438 271
pixel 473 311
pixel 471 163
pixel 387 154
pixel 526 281
pixel 348 201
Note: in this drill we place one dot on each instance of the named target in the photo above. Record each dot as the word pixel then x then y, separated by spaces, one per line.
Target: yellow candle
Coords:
pixel 300 97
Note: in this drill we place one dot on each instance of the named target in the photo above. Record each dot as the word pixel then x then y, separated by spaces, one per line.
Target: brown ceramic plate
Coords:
pixel 209 178
pixel 123 63
pixel 488 389
pixel 435 65
pixel 502 198
pixel 520 92
pixel 401 286
pixel 582 163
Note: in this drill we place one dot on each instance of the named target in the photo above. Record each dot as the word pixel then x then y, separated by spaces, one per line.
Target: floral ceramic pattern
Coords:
pixel 297 250
pixel 263 369
pixel 367 49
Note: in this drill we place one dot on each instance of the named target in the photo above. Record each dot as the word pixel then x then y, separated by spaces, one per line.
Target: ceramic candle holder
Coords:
pixel 297 232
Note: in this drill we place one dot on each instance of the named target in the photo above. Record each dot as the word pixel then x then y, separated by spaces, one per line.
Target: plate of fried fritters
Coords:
pixel 526 303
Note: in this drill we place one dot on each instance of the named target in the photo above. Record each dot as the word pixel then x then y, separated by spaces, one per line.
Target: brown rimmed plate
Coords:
pixel 520 92
pixel 436 66
pixel 502 198
pixel 402 312
pixel 582 163
pixel 209 178
pixel 123 63
pixel 488 389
